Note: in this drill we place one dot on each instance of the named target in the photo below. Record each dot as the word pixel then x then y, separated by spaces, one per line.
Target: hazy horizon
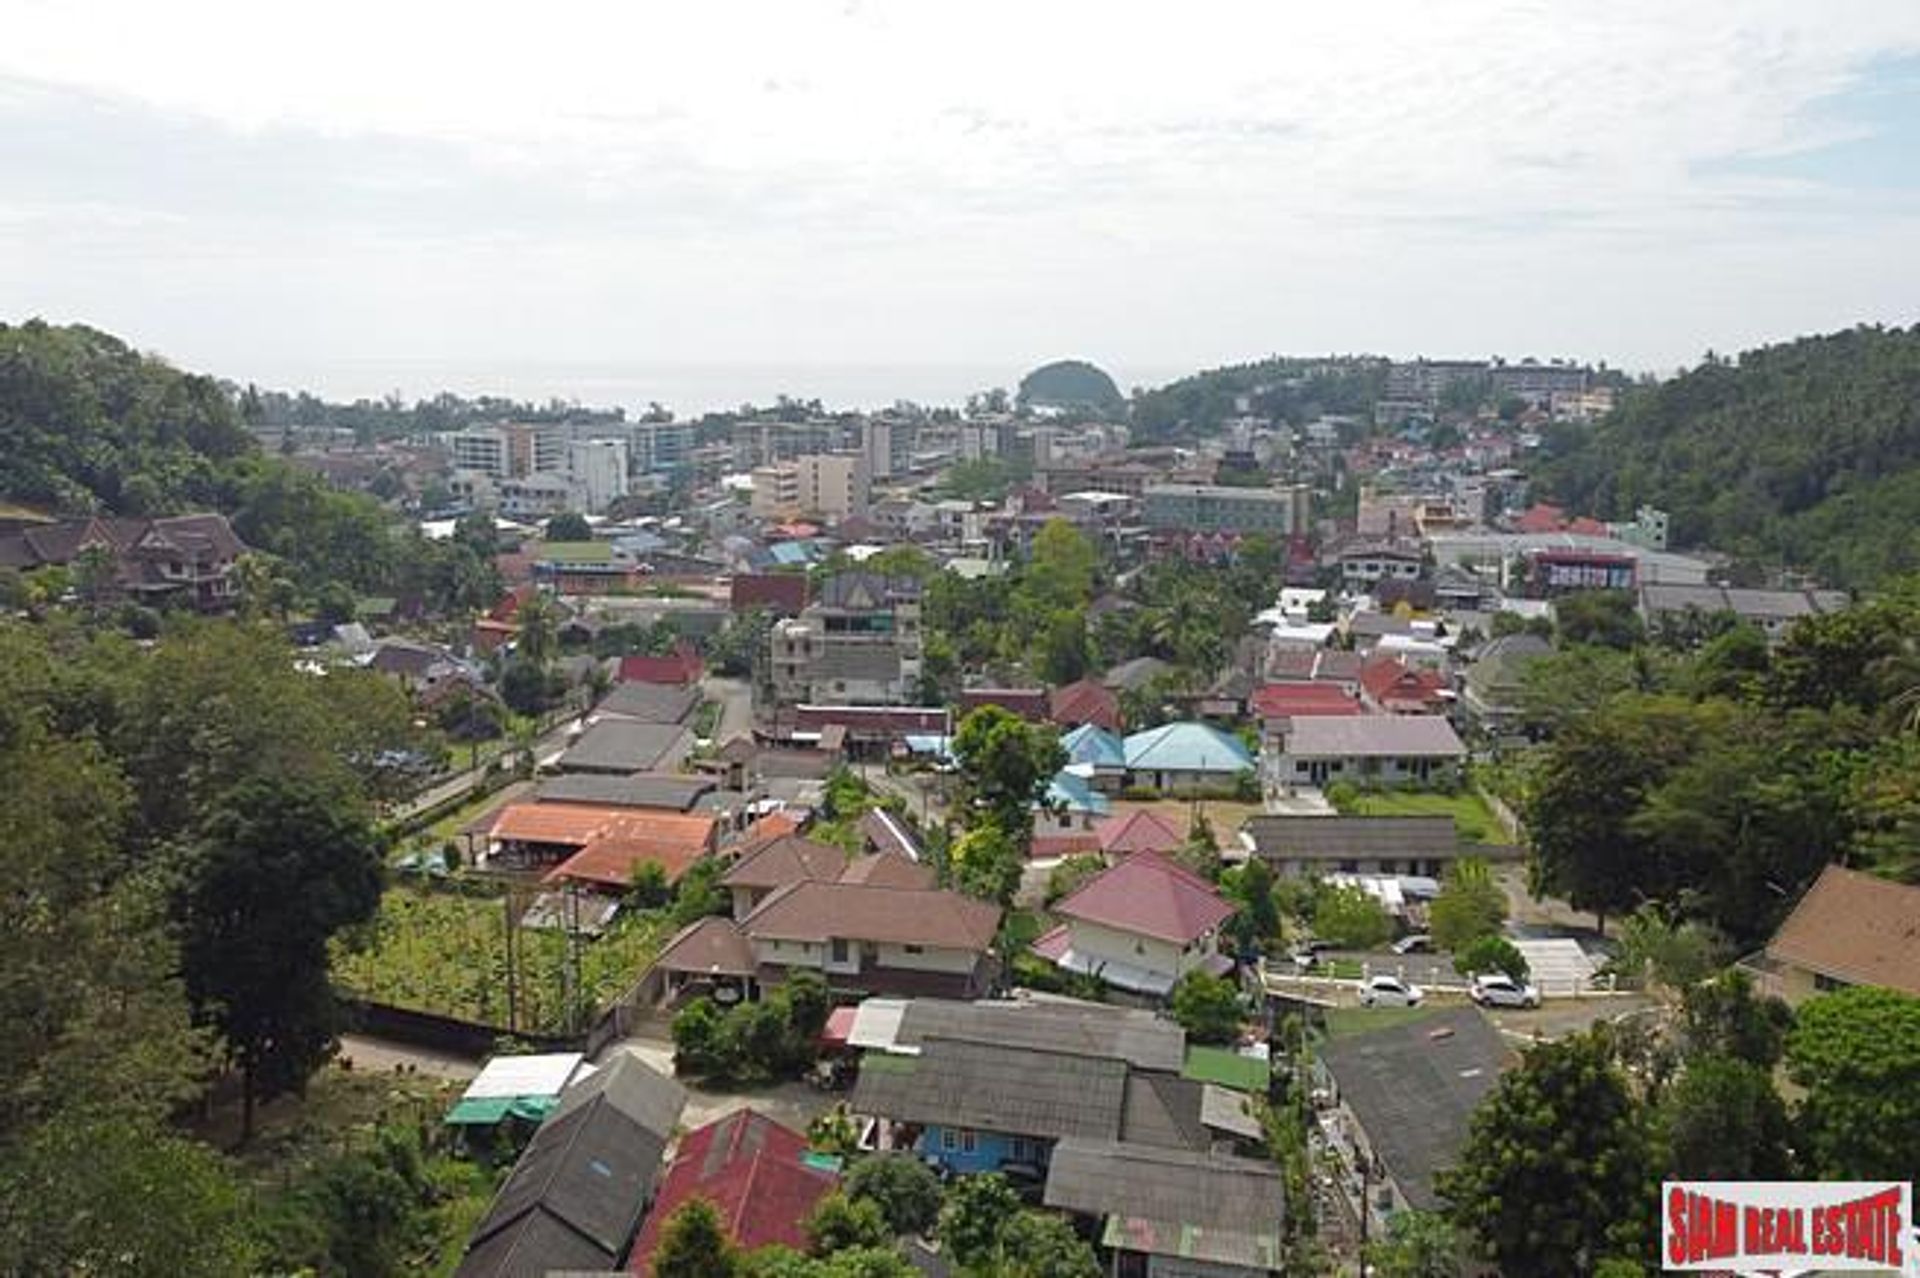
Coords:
pixel 366 198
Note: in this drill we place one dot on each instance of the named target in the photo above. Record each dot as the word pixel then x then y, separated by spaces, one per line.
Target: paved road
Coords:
pixel 792 1104
pixel 550 744
pixel 736 707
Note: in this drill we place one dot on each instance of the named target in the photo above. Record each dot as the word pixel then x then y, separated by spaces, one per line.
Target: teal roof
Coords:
pixel 1186 747
pixel 1076 794
pixel 1090 743
pixel 791 553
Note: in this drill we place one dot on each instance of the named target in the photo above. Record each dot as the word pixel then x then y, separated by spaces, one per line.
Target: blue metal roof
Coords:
pixel 1090 743
pixel 1186 747
pixel 1076 794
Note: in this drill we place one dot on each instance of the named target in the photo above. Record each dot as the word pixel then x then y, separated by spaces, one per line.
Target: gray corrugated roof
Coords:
pixel 1164 1110
pixel 1138 1037
pixel 650 702
pixel 1187 1187
pixel 667 790
pixel 996 1088
pixel 858 661
pixel 1379 735
pixel 622 745
pixel 1414 1086
pixel 1296 838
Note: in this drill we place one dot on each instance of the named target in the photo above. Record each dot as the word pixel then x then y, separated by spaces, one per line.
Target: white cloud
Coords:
pixel 869 182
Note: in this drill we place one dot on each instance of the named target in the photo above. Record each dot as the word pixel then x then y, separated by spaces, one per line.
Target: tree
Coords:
pixel 1250 886
pixel 1607 618
pixel 569 526
pixel 1857 1053
pixel 1556 1170
pixel 987 864
pixel 1207 1007
pixel 1060 568
pixel 1350 919
pixel 1201 851
pixel 1006 765
pixel 1071 874
pixel 839 1222
pixel 976 1210
pixel 1490 953
pixel 694 1244
pixel 904 1189
pixel 1419 1244
pixel 282 865
pixel 1037 1244
pixel 1657 946
pixel 1724 1120
pixel 97 1194
pixel 1724 1016
pixel 1470 905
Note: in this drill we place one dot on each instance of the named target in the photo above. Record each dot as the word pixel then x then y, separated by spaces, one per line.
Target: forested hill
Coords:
pixel 1291 390
pixel 1805 454
pixel 88 423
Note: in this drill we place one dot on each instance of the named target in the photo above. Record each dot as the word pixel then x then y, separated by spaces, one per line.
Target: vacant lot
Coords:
pixel 1470 816
pixel 1225 815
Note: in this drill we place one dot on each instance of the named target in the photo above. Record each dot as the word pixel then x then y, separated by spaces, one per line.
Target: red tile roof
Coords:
pixel 1028 703
pixel 1141 830
pixel 783 593
pixel 681 667
pixel 1541 518
pixel 1069 843
pixel 1392 685
pixel 1085 702
pixel 753 1171
pixel 1150 895
pixel 1285 700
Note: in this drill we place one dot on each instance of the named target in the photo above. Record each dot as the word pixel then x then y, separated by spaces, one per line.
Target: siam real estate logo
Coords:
pixel 1828 1227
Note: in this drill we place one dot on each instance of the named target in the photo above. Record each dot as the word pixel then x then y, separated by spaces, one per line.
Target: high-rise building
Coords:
pixel 826 486
pixel 662 447
pixel 510 449
pixel 596 473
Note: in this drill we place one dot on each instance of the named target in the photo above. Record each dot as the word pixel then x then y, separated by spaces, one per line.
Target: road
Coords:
pixel 736 707
pixel 550 743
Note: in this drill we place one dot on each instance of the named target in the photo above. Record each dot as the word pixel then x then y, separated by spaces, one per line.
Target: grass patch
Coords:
pixel 1023 927
pixel 1470 814
pixel 1342 1021
pixel 447 953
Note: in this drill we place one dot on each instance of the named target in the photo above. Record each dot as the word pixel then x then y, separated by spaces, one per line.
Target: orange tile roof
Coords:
pixel 612 840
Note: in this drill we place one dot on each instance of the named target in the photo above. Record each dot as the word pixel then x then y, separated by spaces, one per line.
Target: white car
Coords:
pixel 1497 989
pixel 1389 991
pixel 1417 943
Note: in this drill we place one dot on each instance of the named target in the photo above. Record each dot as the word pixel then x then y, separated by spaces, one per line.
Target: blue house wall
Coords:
pixel 989 1149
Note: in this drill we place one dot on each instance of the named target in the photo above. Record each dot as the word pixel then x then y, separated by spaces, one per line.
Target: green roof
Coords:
pixel 489 1110
pixel 1225 1068
pixel 375 606
pixel 577 552
pixel 883 1063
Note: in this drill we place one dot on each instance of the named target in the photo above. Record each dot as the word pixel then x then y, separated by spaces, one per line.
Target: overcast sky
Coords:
pixel 543 196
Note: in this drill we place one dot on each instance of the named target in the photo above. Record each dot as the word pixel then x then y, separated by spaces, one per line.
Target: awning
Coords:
pixel 839 1026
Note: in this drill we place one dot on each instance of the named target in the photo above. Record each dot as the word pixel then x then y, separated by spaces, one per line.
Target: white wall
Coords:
pixel 1094 942
pixel 930 959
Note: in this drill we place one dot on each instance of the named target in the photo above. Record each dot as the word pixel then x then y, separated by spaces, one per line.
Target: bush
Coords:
pixel 1344 796
pixel 1207 1007
pixel 1490 954
pixel 1349 919
pixel 1067 877
pixel 904 1189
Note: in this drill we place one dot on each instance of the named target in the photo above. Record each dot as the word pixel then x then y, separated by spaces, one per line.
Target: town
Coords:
pixel 1280 823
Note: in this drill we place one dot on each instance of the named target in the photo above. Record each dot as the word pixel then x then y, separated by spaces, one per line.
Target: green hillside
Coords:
pixel 89 423
pixel 1287 389
pixel 1805 454
pixel 1070 383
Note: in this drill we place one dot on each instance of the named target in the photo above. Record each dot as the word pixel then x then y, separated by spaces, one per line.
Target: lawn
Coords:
pixel 444 952
pixel 1355 1020
pixel 1470 815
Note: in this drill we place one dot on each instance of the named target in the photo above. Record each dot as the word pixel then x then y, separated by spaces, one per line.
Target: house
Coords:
pixel 1070 803
pixel 681 666
pixel 621 747
pixel 857 643
pixel 1140 925
pixel 1492 687
pixel 1370 750
pixel 649 703
pixel 1363 565
pixel 576 1194
pixel 1184 758
pixel 1310 846
pixel 760 1176
pixel 1402 1098
pixel 587 842
pixel 1316 665
pixel 1276 705
pixel 1849 929
pixel 421 668
pixel 1391 686
pixel 183 560
pixel 1097 754
pixel 1085 702
pixel 875 924
pixel 1141 830
pixel 1030 704
pixel 1172 1211
pixel 1774 611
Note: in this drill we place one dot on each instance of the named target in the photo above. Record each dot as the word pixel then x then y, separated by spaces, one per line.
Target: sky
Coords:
pixel 704 203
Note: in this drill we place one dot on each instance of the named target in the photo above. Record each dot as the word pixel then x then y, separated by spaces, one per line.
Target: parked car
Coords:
pixel 1390 991
pixel 1417 943
pixel 1497 989
pixel 1307 953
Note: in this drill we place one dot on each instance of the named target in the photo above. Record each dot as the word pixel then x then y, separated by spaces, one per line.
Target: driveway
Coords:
pixel 736 707
pixel 792 1104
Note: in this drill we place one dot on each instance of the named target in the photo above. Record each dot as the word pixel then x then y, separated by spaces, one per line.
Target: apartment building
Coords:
pixel 857 643
pixel 510 449
pixel 662 447
pixel 826 486
pixel 1281 512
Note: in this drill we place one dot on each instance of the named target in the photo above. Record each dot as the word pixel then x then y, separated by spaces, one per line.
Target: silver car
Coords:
pixel 1497 989
pixel 1390 991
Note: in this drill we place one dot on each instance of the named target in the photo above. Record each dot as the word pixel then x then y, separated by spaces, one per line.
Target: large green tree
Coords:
pixel 904 1188
pixel 1856 1052
pixel 1470 905
pixel 694 1244
pixel 1557 1170
pixel 1006 765
pixel 280 866
pixel 1723 1119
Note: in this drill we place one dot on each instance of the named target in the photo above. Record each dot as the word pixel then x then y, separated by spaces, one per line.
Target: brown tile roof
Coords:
pixel 895 916
pixel 710 946
pixel 887 869
pixel 1085 702
pixel 676 839
pixel 783 860
pixel 1856 928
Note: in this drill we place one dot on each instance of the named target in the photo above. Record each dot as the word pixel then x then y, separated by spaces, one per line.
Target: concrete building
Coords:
pixel 1281 512
pixel 662 447
pixel 857 643
pixel 596 473
pixel 826 486
pixel 1380 749
pixel 510 449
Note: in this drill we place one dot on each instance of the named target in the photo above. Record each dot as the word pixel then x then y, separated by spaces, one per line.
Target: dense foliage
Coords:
pixel 1069 383
pixel 1285 389
pixel 1806 453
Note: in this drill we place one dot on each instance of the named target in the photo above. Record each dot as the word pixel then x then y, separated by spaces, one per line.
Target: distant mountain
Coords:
pixel 88 423
pixel 1805 454
pixel 1287 389
pixel 1070 383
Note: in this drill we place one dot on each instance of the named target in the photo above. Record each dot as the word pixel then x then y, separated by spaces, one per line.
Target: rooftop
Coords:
pixel 996 1087
pixel 1856 928
pixel 1290 838
pixel 885 915
pixel 1201 1206
pixel 1186 747
pixel 1149 895
pixel 1399 736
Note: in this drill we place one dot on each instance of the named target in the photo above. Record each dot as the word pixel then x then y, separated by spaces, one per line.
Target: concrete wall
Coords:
pixel 1094 942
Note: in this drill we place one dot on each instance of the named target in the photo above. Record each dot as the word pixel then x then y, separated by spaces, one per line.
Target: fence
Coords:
pixel 435 1032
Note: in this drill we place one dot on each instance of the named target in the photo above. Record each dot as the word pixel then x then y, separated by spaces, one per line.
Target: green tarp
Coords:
pixel 492 1109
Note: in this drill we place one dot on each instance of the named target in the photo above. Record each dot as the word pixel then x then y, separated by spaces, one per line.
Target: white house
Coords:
pixel 1141 925
pixel 1386 750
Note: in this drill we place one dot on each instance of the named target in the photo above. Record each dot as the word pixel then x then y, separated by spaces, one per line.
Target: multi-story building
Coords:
pixel 510 449
pixel 596 473
pixel 1539 382
pixel 886 445
pixel 828 486
pixel 1423 381
pixel 1128 478
pixel 1280 512
pixel 662 447
pixel 857 643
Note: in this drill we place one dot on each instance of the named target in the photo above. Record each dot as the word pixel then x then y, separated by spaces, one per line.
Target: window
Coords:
pixel 839 946
pixel 914 949
pixel 968 1141
pixel 948 1141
